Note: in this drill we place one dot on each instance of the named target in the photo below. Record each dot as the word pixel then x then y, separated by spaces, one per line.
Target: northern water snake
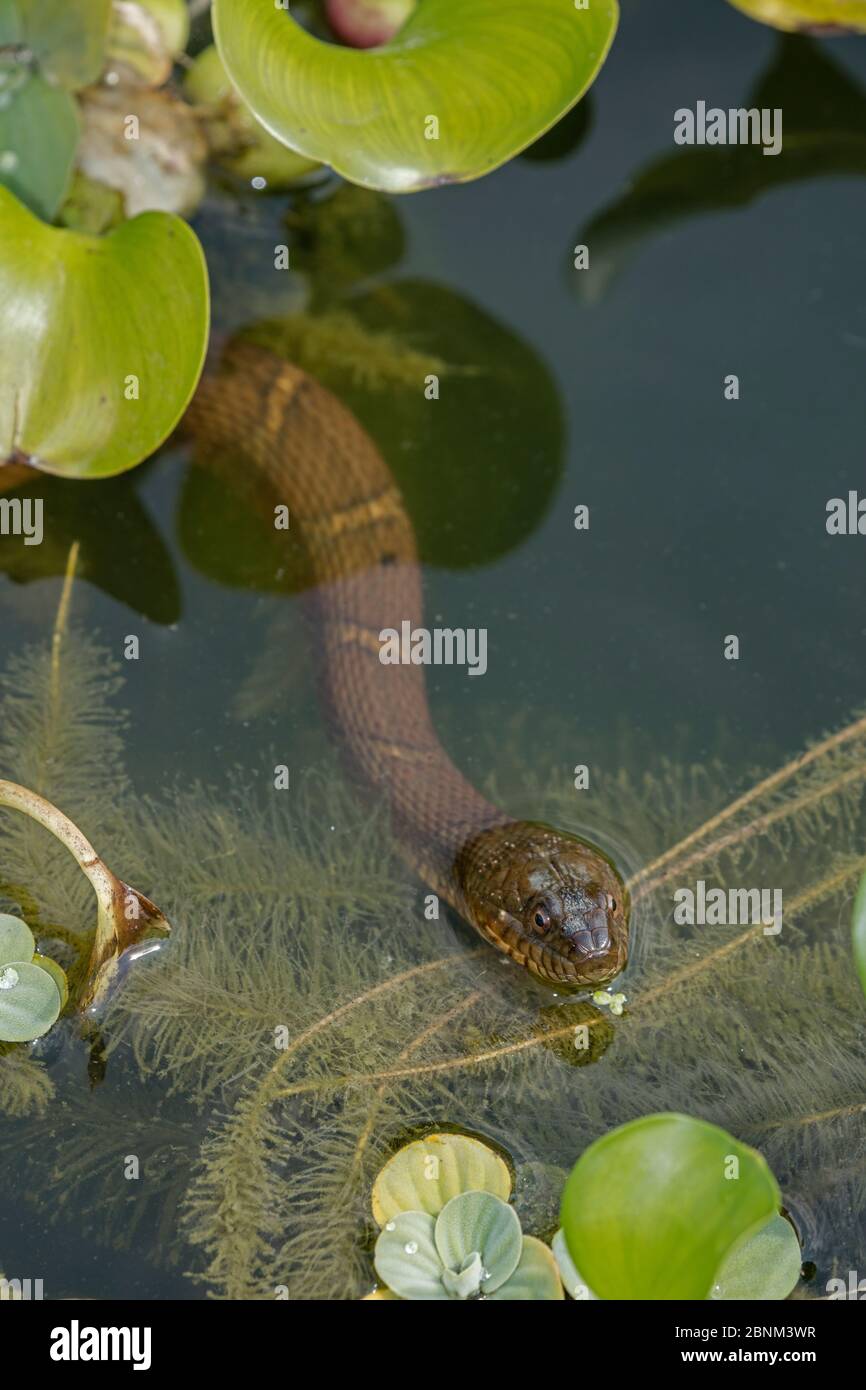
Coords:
pixel 551 901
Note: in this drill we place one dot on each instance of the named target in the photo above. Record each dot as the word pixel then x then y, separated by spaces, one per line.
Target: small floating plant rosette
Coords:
pixel 448 1231
pixel 33 988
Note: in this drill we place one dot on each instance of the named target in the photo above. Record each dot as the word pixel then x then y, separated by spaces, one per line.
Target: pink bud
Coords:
pixel 367 23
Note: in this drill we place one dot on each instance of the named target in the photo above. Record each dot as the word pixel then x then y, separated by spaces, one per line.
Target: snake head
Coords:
pixel 551 901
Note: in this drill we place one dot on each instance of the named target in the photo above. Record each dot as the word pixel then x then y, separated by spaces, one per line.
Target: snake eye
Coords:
pixel 541 917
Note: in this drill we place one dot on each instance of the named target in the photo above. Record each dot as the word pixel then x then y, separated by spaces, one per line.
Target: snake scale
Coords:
pixel 551 901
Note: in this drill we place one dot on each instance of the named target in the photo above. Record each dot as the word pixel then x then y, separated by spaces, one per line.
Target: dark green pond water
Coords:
pixel 707 518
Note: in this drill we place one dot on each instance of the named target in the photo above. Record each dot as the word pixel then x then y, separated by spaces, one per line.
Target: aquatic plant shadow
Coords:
pixel 824 136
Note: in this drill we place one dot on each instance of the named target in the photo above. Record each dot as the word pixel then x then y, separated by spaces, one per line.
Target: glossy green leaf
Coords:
pixel 29 1002
pixel 426 1174
pixel 38 136
pixel 67 37
pixel 536 1277
pixel 808 16
pixel 477 1231
pixel 102 339
pixel 764 1266
pixel 16 940
pixel 651 1209
pixel 407 1260
pixel 859 932
pixel 494 74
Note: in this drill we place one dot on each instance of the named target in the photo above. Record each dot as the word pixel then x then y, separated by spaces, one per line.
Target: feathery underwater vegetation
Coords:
pixel 307 1024
pixel 292 1036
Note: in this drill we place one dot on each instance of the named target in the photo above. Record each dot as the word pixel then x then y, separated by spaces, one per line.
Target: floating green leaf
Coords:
pixel 464 85
pixel 29 1002
pixel 809 16
pixel 66 37
pixel 102 340
pixel 407 1258
pixel 765 1266
pixel 38 136
pixel 535 1278
pixel 426 1174
pixel 478 1227
pixel 16 940
pixel 473 1249
pixel 652 1208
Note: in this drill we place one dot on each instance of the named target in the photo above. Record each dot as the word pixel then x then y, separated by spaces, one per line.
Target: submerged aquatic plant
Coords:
pixel 308 1015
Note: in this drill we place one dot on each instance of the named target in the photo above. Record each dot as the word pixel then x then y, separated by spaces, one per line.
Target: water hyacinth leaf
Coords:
pixel 29 1002
pixel 38 135
pixel 16 940
pixel 478 1226
pixel 808 16
pixel 407 1260
pixel 67 38
pixel 459 90
pixel 572 1279
pixel 859 932
pixel 764 1266
pixel 536 1277
pixel 135 303
pixel 652 1208
pixel 57 973
pixel 426 1174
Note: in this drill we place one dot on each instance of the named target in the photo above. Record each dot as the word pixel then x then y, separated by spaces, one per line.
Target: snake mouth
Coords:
pixel 579 960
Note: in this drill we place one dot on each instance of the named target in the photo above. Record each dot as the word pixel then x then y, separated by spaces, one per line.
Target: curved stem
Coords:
pixel 124 916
